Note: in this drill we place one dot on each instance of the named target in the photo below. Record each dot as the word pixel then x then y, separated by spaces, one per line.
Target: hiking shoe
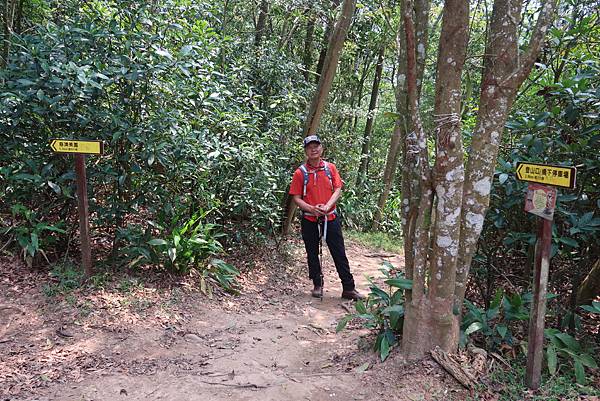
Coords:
pixel 354 295
pixel 317 292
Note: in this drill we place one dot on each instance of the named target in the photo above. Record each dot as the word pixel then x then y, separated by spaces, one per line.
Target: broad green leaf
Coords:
pixel 502 330
pixel 362 368
pixel 502 178
pixel 384 351
pixel 579 372
pixel 569 241
pixel 592 309
pixel 54 187
pixel 473 328
pixel 396 320
pixel 164 53
pixel 497 298
pixel 393 308
pixel 552 360
pixel 588 361
pixel 172 254
pixel 360 307
pixel 569 341
pixel 157 241
pixel 380 293
pixel 399 283
pixel 343 322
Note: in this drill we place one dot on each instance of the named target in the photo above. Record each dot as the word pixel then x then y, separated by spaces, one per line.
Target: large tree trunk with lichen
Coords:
pixel 319 99
pixel 445 200
pixel 505 69
pixel 434 226
pixel 401 128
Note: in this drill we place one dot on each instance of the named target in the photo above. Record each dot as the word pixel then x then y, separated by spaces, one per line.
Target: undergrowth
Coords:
pixel 379 240
pixel 509 385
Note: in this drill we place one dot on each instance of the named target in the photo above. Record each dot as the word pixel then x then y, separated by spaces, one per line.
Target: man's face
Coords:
pixel 313 150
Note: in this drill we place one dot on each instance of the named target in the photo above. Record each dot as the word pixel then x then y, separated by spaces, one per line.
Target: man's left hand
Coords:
pixel 323 208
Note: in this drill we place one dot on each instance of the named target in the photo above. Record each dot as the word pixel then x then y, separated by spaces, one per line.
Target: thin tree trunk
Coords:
pixel 325 81
pixel 364 157
pixel 590 287
pixel 261 23
pixel 357 96
pixel 286 36
pixel 401 127
pixel 329 68
pixel 308 47
pixel 7 23
pixel 326 41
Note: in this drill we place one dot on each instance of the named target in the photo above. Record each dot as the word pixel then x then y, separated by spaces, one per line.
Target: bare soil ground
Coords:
pixel 135 340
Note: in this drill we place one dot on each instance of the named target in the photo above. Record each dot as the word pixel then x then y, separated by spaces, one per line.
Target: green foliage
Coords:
pixel 497 323
pixel 66 277
pixel 565 346
pixel 190 118
pixel 219 273
pixel 593 308
pixel 378 240
pixel 509 385
pixel 383 310
pixel 187 245
pixel 30 233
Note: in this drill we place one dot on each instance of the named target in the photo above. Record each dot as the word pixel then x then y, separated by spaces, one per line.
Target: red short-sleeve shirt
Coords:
pixel 318 189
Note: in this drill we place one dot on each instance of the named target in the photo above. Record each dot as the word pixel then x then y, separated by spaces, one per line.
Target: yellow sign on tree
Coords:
pixel 73 146
pixel 557 176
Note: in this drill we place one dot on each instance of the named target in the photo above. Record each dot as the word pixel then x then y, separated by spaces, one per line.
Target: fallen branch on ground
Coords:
pixel 454 368
pixel 247 385
pixel 380 255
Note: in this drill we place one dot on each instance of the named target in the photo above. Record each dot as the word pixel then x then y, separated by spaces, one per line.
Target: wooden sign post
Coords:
pixel 541 201
pixel 80 149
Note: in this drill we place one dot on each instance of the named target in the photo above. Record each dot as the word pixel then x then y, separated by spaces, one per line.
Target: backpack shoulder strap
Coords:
pixel 305 180
pixel 327 170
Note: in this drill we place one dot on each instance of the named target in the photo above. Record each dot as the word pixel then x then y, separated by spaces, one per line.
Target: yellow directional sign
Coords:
pixel 73 146
pixel 557 176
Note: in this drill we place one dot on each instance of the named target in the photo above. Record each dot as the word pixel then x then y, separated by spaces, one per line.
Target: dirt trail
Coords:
pixel 274 342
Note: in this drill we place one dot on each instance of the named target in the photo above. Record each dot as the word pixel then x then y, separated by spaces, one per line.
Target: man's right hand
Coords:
pixel 316 211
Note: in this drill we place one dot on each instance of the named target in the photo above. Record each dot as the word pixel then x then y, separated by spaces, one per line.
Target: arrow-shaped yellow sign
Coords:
pixel 73 146
pixel 557 176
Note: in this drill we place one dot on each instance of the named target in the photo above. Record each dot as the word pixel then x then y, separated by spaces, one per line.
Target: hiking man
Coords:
pixel 316 186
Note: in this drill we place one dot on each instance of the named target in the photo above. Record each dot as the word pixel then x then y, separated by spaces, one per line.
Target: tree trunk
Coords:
pixel 308 47
pixel 590 287
pixel 364 156
pixel 444 212
pixel 261 23
pixel 435 233
pixel 505 69
pixel 325 80
pixel 329 68
pixel 401 127
pixel 8 12
pixel 326 40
